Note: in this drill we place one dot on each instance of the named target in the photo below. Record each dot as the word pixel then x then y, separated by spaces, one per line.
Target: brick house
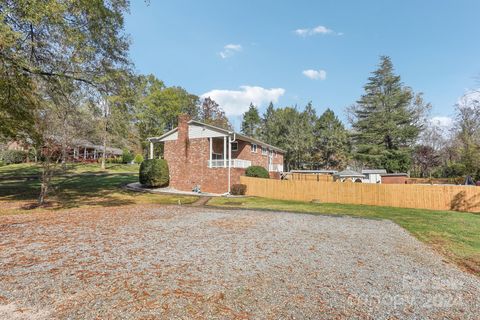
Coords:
pixel 212 158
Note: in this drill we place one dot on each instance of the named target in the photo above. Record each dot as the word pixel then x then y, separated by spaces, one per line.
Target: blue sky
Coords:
pixel 293 52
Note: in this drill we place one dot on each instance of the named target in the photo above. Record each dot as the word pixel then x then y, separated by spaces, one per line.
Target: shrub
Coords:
pixel 138 158
pixel 13 156
pixel 154 173
pixel 1 163
pixel 238 189
pixel 127 156
pixel 257 172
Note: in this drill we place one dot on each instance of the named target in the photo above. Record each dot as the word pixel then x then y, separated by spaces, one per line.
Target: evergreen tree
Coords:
pixel 331 141
pixel 307 120
pixel 251 122
pixel 387 120
pixel 269 131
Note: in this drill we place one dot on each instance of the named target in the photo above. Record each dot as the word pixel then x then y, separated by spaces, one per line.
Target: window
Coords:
pixel 254 148
pixel 264 151
pixel 235 146
pixel 217 156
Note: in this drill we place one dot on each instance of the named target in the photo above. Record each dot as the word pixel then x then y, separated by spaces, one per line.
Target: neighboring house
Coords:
pixel 78 150
pixel 83 150
pixel 212 158
pixel 373 175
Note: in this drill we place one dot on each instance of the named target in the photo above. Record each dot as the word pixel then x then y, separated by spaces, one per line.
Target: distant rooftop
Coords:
pixel 374 171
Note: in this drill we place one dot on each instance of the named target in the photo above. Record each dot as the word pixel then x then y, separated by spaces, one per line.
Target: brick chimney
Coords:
pixel 183 127
pixel 183 142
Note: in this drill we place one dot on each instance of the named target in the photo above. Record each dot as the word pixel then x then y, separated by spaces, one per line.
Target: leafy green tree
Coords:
pixel 467 132
pixel 157 107
pixel 251 122
pixel 387 120
pixel 292 131
pixel 46 47
pixel 331 141
pixel 211 113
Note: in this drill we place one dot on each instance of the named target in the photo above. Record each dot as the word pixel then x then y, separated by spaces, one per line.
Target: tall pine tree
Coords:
pixel 251 122
pixel 331 142
pixel 269 131
pixel 387 120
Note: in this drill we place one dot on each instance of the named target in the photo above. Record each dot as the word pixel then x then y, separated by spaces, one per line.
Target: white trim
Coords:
pixel 234 163
pixel 229 160
pixel 225 151
pixel 218 157
pixel 211 151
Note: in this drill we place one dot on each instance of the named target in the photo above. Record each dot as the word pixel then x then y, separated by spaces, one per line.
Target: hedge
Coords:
pixel 154 173
pixel 257 172
pixel 13 156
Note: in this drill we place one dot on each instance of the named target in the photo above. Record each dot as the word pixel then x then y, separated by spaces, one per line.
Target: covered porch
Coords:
pixel 222 153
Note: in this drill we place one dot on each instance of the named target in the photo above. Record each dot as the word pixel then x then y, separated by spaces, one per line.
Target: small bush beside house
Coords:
pixel 257 172
pixel 138 159
pixel 154 173
pixel 127 156
pixel 238 189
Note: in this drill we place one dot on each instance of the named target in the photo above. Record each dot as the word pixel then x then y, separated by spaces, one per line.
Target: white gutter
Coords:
pixel 230 158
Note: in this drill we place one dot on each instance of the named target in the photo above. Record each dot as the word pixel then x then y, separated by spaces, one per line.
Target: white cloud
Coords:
pixel 316 30
pixel 236 102
pixel 229 50
pixel 315 74
pixel 442 122
pixel 302 32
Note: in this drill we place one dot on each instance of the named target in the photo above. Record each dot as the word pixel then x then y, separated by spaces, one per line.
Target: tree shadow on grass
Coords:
pixel 74 191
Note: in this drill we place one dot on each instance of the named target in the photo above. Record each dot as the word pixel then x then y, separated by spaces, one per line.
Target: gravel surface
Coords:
pixel 151 262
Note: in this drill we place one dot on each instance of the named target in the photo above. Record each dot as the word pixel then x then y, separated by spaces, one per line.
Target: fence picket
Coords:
pixel 435 197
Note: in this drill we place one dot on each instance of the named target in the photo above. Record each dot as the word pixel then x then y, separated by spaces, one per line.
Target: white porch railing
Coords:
pixel 235 163
pixel 275 168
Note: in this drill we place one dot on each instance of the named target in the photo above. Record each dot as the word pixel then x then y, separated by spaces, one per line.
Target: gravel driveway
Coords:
pixel 150 262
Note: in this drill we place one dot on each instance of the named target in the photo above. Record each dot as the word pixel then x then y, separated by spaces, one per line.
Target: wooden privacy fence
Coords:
pixel 459 198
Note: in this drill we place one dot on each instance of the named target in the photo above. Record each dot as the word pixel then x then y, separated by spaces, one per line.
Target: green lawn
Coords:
pixel 454 234
pixel 31 169
pixel 79 189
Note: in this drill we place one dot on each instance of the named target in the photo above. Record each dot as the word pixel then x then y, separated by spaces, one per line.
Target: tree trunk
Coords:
pixel 104 150
pixel 45 181
pixel 105 133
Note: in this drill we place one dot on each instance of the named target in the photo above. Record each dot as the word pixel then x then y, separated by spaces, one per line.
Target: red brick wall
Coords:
pixel 189 167
pixel 245 152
